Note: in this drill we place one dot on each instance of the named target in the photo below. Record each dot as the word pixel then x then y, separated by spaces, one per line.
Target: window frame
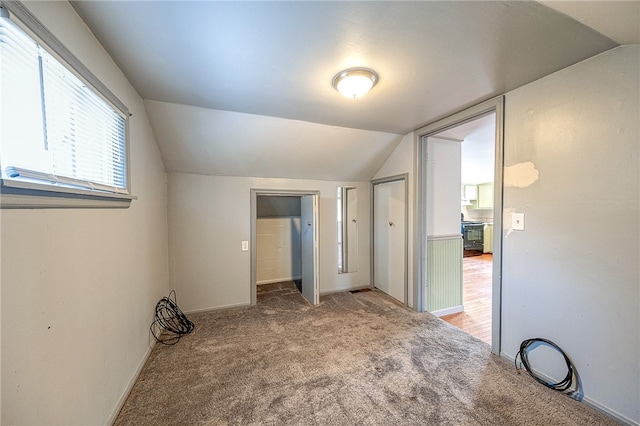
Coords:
pixel 28 194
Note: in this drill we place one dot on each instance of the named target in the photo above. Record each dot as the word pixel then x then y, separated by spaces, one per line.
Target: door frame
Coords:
pixel 390 179
pixel 253 238
pixel 420 264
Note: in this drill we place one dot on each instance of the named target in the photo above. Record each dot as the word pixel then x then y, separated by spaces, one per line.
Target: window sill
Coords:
pixel 28 195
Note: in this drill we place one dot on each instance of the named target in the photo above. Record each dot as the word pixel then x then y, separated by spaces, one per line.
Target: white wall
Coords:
pixel 278 249
pixel 572 167
pixel 79 285
pixel 209 216
pixel 444 170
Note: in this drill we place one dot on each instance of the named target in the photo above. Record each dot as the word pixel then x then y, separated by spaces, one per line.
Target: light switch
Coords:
pixel 245 246
pixel 517 222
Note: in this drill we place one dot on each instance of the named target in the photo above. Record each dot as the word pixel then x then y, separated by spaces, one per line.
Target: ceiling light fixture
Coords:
pixel 355 82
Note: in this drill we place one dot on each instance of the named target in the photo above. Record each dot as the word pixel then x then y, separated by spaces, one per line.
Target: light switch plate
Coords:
pixel 517 222
pixel 245 246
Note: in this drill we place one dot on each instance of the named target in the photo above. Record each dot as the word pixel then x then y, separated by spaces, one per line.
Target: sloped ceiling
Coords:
pixel 244 88
pixel 199 140
pixel 618 20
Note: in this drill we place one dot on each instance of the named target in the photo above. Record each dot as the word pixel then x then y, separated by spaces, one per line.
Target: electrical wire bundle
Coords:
pixel 170 318
pixel 564 384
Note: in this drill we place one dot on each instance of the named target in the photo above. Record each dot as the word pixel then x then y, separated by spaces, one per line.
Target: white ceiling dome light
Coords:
pixel 355 82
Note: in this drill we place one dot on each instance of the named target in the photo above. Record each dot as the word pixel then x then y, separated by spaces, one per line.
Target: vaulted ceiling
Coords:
pixel 244 88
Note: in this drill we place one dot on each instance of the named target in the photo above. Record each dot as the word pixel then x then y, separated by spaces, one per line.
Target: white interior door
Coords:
pixel 309 246
pixel 389 238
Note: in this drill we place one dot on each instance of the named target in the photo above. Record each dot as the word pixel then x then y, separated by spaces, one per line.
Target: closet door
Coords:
pixel 389 243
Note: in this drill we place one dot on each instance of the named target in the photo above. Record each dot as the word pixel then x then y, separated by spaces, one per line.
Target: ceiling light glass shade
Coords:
pixel 355 82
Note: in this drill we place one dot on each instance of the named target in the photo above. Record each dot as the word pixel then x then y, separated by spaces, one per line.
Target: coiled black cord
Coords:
pixel 170 318
pixel 562 385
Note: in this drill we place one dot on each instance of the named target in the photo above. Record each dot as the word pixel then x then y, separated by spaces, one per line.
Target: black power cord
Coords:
pixel 564 384
pixel 170 318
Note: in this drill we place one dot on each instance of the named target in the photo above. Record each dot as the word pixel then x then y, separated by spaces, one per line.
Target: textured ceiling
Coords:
pixel 203 141
pixel 618 20
pixel 277 59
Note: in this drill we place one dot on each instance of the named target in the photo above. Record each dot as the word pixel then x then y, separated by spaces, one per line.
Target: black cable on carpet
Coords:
pixel 564 384
pixel 171 319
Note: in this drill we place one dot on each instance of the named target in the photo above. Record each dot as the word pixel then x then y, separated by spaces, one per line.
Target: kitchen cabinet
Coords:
pixel 469 192
pixel 485 196
pixel 487 246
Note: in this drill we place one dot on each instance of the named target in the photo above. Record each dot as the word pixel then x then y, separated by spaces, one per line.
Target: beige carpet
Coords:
pixel 356 359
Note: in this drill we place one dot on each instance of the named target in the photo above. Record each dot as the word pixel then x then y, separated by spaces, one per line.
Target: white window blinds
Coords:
pixel 56 128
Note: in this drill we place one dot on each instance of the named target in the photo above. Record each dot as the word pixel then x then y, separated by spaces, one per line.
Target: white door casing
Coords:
pixel 308 221
pixel 495 105
pixel 309 241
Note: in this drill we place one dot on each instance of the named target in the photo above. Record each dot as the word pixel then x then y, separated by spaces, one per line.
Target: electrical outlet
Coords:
pixel 517 222
pixel 245 246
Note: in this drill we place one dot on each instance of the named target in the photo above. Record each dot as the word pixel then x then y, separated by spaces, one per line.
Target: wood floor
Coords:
pixel 476 318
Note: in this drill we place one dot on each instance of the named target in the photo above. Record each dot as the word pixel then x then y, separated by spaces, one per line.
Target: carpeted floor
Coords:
pixel 355 359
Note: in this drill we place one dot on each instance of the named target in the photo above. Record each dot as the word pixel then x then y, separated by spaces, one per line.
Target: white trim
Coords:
pixel 21 174
pixel 218 308
pixel 16 194
pixel 448 311
pixel 581 398
pixel 346 290
pixel 277 280
pixel 608 412
pixel 123 398
pixel 15 201
pixel 444 237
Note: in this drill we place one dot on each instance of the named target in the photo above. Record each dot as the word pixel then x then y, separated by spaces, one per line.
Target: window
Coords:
pixel 63 133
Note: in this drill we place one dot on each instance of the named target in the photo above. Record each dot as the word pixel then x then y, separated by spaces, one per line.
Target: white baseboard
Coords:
pixel 218 308
pixel 448 311
pixel 608 412
pixel 277 280
pixel 344 290
pixel 123 398
pixel 619 418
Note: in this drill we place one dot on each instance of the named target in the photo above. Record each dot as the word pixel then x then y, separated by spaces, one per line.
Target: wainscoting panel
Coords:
pixel 444 274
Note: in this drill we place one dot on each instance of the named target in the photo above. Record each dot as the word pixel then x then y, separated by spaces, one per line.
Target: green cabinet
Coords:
pixel 485 196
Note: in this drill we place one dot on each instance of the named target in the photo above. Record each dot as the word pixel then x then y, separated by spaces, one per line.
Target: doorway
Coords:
pixel 474 144
pixel 297 234
pixel 389 236
pixel 424 207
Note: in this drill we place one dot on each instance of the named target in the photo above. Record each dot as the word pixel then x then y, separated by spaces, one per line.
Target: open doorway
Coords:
pixel 284 249
pixel 278 246
pixel 435 244
pixel 477 164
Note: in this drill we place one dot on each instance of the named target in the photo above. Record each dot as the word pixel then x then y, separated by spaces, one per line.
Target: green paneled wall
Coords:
pixel 444 273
